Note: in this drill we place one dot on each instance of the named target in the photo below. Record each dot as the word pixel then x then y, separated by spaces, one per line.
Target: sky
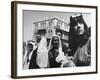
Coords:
pixel 31 16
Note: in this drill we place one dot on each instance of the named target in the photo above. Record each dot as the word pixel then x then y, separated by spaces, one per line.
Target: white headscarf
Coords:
pixel 42 53
pixel 27 56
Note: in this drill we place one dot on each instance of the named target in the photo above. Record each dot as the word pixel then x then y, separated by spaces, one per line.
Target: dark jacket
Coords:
pixel 33 64
pixel 52 59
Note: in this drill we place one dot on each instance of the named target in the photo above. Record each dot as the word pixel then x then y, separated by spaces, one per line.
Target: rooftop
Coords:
pixel 49 20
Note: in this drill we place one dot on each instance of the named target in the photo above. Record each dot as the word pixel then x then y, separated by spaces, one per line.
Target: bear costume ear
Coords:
pixel 70 18
pixel 73 21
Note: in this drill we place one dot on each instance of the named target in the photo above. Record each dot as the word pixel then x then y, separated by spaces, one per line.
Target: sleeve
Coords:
pixel 51 59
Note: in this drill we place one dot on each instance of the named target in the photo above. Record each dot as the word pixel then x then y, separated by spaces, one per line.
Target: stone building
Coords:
pixel 50 27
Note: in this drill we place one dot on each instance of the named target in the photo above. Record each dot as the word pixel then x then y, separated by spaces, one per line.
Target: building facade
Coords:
pixel 49 28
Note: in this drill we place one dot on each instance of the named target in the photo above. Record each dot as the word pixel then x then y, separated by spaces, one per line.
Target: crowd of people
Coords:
pixel 53 55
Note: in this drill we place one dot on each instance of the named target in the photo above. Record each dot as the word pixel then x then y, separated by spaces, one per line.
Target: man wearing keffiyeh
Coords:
pixel 57 57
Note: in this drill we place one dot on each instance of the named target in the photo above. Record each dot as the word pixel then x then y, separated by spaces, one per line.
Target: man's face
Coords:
pixel 29 47
pixel 55 41
pixel 79 28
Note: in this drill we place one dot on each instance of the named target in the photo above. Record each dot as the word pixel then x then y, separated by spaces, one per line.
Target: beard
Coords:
pixel 56 45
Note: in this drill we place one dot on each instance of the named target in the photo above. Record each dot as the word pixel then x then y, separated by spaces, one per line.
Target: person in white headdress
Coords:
pixel 55 52
pixel 30 47
pixel 42 54
pixel 56 55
